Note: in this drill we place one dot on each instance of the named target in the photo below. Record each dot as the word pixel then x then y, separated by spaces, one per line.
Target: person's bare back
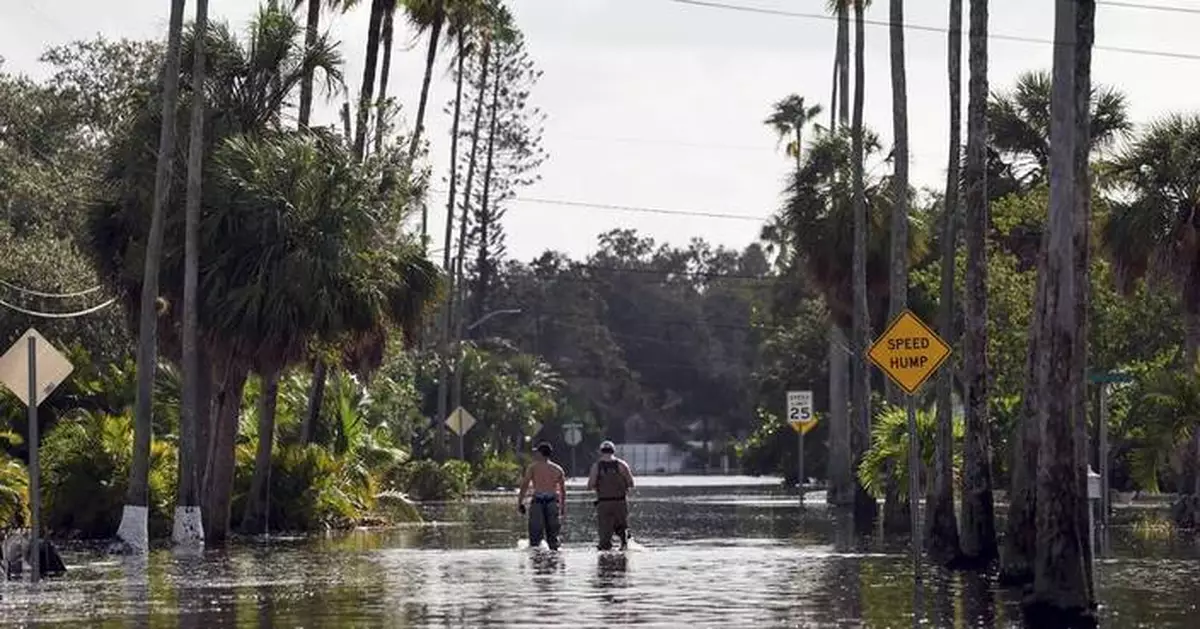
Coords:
pixel 546 477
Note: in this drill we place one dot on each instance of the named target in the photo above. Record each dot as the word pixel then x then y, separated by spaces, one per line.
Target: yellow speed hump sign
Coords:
pixel 909 352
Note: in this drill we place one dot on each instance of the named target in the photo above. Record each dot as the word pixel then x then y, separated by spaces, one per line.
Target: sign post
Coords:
pixel 801 417
pixel 909 352
pixel 573 435
pixel 32 369
pixel 460 421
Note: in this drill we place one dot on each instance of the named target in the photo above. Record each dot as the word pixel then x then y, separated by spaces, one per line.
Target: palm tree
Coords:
pixel 1154 233
pixel 840 104
pixel 788 117
pixel 1019 125
pixel 325 212
pixel 463 17
pixel 382 112
pixel 189 524
pixel 978 519
pixel 864 505
pixel 1060 588
pixel 134 527
pixel 248 84
pixel 425 15
pixel 370 68
pixel 893 519
pixel 312 29
pixel 941 525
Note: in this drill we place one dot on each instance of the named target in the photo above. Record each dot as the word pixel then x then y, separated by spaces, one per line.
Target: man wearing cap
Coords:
pixel 612 480
pixel 549 503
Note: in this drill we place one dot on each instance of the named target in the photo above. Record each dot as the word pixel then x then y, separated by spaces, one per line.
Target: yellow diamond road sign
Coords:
pixel 909 352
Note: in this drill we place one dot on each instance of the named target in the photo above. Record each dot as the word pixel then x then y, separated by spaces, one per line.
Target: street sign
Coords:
pixel 52 368
pixel 800 411
pixel 573 434
pixel 32 368
pixel 460 421
pixel 909 352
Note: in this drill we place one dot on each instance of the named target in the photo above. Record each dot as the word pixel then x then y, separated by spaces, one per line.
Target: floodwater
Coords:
pixel 708 555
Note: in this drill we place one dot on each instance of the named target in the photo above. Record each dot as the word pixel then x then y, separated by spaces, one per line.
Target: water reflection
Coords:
pixel 712 557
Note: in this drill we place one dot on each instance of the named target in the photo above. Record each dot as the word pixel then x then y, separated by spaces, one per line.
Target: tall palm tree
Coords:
pixel 894 508
pixel 788 118
pixel 941 524
pixel 864 505
pixel 312 29
pixel 840 105
pixel 463 17
pixel 1085 35
pixel 248 84
pixel 1060 588
pixel 134 527
pixel 370 69
pixel 978 519
pixel 425 16
pixel 189 524
pixel 382 112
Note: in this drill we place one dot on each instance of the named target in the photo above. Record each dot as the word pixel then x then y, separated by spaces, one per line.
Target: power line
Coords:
pixel 633 208
pixel 58 315
pixel 1148 7
pixel 938 29
pixel 35 293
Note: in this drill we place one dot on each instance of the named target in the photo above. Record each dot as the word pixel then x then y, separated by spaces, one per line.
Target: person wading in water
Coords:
pixel 549 503
pixel 612 480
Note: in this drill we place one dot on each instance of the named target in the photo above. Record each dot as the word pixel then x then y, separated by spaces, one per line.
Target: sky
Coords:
pixel 659 104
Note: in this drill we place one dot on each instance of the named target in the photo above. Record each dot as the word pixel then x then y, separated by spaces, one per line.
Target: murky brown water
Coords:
pixel 712 557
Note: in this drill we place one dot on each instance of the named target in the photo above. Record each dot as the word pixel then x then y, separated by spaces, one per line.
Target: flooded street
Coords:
pixel 710 556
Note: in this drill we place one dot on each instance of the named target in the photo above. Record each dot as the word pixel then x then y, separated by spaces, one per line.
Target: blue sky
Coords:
pixel 653 103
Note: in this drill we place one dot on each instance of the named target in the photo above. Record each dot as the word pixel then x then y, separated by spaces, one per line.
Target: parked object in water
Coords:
pixel 15 553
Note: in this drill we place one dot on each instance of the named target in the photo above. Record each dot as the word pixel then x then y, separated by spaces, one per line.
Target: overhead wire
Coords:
pixel 57 315
pixel 713 4
pixel 35 293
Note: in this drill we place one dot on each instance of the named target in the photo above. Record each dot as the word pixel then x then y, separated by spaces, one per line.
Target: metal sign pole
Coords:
pixel 573 472
pixel 914 478
pixel 800 465
pixel 34 467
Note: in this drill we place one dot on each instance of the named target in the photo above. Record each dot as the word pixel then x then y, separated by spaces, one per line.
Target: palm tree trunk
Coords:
pixel 435 32
pixel 833 93
pixel 188 525
pixel 472 161
pixel 134 527
pixel 483 282
pixel 898 510
pixel 385 71
pixel 254 519
pixel 1060 588
pixel 1191 353
pixel 222 443
pixel 864 505
pixel 841 478
pixel 448 309
pixel 941 526
pixel 843 63
pixel 978 519
pixel 311 31
pixel 366 93
pixel 316 398
pixel 1085 35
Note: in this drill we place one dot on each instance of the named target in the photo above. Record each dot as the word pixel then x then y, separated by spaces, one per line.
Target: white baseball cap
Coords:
pixel 607 445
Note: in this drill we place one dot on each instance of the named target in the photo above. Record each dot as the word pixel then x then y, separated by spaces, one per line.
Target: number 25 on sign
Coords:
pixel 909 352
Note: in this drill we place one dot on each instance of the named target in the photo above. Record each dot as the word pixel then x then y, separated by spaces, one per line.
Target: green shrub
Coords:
pixel 498 472
pixel 85 472
pixel 310 489
pixel 425 480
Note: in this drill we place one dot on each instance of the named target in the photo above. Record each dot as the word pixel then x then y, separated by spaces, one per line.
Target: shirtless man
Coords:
pixel 549 503
pixel 612 480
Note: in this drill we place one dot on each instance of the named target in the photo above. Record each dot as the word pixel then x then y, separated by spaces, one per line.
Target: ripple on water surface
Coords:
pixel 710 556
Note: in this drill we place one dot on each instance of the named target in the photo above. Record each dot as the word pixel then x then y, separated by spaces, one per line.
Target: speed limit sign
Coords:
pixel 800 410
